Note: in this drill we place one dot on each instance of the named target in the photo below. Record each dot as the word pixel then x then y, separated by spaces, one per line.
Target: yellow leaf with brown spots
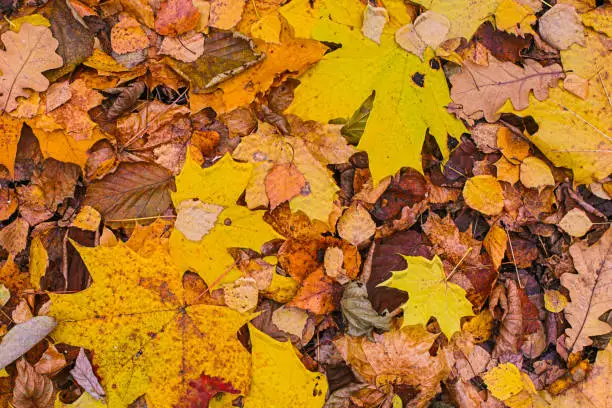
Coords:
pixel 147 337
pixel 128 36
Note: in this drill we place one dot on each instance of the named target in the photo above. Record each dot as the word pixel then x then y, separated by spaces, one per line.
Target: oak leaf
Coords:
pixel 483 90
pixel 430 295
pixel 235 226
pixel 573 132
pixel 279 377
pixel 346 77
pixel 27 54
pixel 147 335
pixel 589 291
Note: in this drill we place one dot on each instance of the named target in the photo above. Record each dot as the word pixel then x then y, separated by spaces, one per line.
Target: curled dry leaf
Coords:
pixel 32 390
pixel 589 290
pixel 511 330
pixel 359 313
pixel 485 89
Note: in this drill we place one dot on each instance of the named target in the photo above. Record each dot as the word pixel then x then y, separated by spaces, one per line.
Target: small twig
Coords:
pixel 459 263
pixel 595 128
pixel 604 87
pixel 142 218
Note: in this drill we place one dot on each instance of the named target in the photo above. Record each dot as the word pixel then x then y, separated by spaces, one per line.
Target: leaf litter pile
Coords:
pixel 305 203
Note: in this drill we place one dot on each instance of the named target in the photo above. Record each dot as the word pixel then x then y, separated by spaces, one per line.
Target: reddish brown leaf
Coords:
pixel 32 390
pixel 176 17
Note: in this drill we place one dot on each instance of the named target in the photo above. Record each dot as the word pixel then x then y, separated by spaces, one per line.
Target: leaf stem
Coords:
pixel 459 263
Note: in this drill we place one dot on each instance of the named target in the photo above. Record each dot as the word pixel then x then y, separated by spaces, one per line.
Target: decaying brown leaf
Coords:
pixel 32 390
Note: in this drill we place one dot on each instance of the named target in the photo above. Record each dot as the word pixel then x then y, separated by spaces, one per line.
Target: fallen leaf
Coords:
pixel 267 148
pixel 598 19
pixel 267 29
pixel 225 55
pixel 318 294
pixel 235 226
pixel 484 194
pixel 573 132
pixel 514 17
pixel 356 225
pixel 225 14
pixel 14 237
pixel 359 313
pixel 593 391
pixel 22 337
pixel 430 295
pixel 429 29
pixel 561 27
pixel 128 36
pixel 554 301
pixel 465 15
pixel 535 173
pixel 290 320
pixel 374 20
pixel 186 48
pixel 399 356
pixel 320 96
pixel 513 147
pixel 283 182
pixel 50 362
pixel 10 132
pixel 495 243
pixel 515 389
pixel 241 295
pixel 576 223
pixel 195 219
pixel 587 291
pixel 76 42
pixel 176 17
pixel 507 171
pixel 134 190
pixel 146 338
pixel 483 90
pixel 279 378
pixel 27 54
pixel 84 376
pixel 32 389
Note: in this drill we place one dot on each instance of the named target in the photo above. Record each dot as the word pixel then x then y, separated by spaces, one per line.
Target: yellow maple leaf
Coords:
pixel 146 336
pixel 411 94
pixel 430 295
pixel 218 187
pixel 279 377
